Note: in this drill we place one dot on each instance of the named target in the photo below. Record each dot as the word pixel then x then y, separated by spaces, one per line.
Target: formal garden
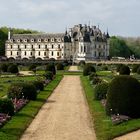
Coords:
pixel 113 95
pixel 112 92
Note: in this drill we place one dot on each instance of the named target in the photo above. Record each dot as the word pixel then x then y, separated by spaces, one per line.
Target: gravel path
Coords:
pixel 130 136
pixel 65 116
pixel 73 68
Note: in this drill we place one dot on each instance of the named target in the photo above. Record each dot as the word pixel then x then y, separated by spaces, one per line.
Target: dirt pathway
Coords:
pixel 65 116
pixel 130 136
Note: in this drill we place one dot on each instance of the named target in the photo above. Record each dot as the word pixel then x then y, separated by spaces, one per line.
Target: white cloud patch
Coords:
pixel 121 16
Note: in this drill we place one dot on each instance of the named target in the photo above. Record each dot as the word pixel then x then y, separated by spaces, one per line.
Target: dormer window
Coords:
pixel 18 40
pixel 32 40
pixel 46 40
pixel 59 40
pixel 39 40
pixel 25 40
pixel 52 39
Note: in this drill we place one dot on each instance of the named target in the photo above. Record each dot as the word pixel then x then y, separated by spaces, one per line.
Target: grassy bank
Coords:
pixel 15 127
pixel 104 128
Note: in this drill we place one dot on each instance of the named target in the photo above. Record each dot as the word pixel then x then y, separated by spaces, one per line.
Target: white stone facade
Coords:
pixel 80 43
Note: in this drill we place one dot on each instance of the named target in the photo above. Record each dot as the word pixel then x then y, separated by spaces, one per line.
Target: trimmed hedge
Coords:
pixel 100 91
pixel 13 68
pixel 88 69
pixel 135 68
pixel 92 75
pixel 60 66
pixel 39 85
pixel 124 70
pixel 123 96
pixel 51 67
pixel 22 90
pixel 6 106
pixel 48 75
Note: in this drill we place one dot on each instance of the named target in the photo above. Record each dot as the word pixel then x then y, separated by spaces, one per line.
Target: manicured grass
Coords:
pixel 16 126
pixel 104 128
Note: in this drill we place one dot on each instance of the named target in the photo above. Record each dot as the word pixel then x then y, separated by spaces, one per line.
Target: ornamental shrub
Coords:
pixel 135 68
pixel 138 70
pixel 4 67
pixel 24 90
pixel 101 91
pixel 12 68
pixel 60 66
pixel 32 67
pixel 51 67
pixel 118 67
pixel 48 75
pixel 82 63
pixel 92 75
pixel 88 69
pixel 124 70
pixel 123 96
pixel 39 85
pixel 96 80
pixel 6 106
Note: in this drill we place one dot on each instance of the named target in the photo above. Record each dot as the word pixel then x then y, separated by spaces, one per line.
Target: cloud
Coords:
pixel 121 16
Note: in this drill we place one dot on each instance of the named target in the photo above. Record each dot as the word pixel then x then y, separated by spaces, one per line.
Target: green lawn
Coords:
pixel 16 126
pixel 104 128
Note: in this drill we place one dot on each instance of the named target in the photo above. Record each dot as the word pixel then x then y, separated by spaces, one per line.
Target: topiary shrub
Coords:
pixel 51 67
pixel 118 67
pixel 39 85
pixel 88 69
pixel 96 80
pixel 82 63
pixel 60 66
pixel 124 70
pixel 13 68
pixel 4 67
pixel 6 106
pixel 123 96
pixel 101 91
pixel 138 70
pixel 135 68
pixel 48 75
pixel 22 90
pixel 92 75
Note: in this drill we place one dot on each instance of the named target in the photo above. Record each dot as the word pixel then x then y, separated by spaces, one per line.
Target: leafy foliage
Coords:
pixel 51 67
pixel 12 68
pixel 88 69
pixel 124 70
pixel 101 91
pixel 123 96
pixel 60 66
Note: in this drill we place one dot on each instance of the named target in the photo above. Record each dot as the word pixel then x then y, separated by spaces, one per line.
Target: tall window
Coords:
pixel 95 54
pixel 58 46
pixel 11 52
pixel 18 46
pixel 84 49
pixel 52 53
pixel 57 53
pixel 17 53
pixel 25 53
pixel 31 53
pixel 44 53
pixel 32 46
pixel 45 46
pixel 39 46
pixel 39 53
pixel 25 46
pixel 11 46
pixel 52 46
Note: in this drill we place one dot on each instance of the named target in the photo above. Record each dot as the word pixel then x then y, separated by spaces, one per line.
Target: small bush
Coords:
pixel 48 75
pixel 135 68
pixel 124 70
pixel 22 90
pixel 51 67
pixel 82 63
pixel 60 66
pixel 92 75
pixel 101 91
pixel 88 69
pixel 6 106
pixel 32 67
pixel 96 80
pixel 4 67
pixel 123 96
pixel 118 67
pixel 138 70
pixel 13 68
pixel 39 85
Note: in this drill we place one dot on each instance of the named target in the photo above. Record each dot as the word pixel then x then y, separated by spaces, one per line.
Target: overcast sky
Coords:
pixel 121 17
